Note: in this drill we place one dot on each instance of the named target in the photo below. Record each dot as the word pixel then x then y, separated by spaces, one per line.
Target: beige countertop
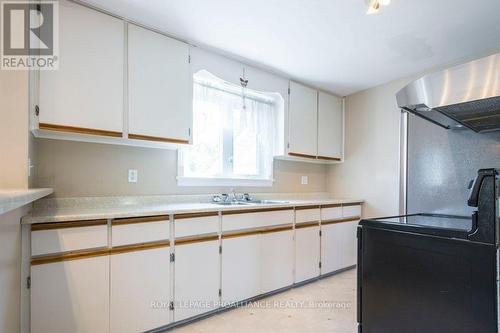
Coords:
pixel 76 209
pixel 12 199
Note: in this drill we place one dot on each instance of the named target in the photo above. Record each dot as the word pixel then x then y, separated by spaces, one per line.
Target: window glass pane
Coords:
pixel 204 158
pixel 245 157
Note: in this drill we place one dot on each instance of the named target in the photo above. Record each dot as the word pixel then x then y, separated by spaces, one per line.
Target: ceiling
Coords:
pixel 330 44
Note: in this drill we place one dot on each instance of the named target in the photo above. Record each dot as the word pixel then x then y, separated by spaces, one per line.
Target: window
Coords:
pixel 234 135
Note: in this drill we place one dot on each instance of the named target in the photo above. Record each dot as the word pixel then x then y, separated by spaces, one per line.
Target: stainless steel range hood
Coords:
pixel 467 95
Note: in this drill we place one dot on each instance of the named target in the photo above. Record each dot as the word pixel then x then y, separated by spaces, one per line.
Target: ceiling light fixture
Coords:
pixel 374 5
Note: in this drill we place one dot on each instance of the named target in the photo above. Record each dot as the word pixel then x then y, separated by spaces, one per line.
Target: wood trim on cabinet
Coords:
pixel 194 215
pixel 307 224
pixel 301 155
pixel 139 247
pixel 256 231
pixel 256 210
pixel 145 219
pixel 156 138
pixel 352 204
pixel 81 254
pixel 331 206
pixel 79 130
pixel 349 219
pixel 66 225
pixel 307 207
pixel 327 158
pixel 97 252
pixel 196 239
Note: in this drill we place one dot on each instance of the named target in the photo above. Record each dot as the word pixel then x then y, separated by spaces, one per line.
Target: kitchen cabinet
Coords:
pixel 128 275
pixel 140 289
pixel 159 87
pixel 85 95
pixel 339 242
pixel 307 252
pixel 303 121
pixel 276 260
pixel 316 125
pixel 197 278
pixel 330 126
pixel 70 296
pixel 241 268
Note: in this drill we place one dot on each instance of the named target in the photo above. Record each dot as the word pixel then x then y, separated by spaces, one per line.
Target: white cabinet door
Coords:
pixel 332 247
pixel 276 260
pixel 351 244
pixel 87 89
pixel 303 120
pixel 70 296
pixel 307 253
pixel 330 126
pixel 338 246
pixel 140 290
pixel 159 87
pixel 241 268
pixel 197 278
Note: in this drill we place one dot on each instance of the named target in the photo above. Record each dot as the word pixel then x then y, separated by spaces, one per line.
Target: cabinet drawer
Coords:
pixel 140 230
pixel 307 215
pixel 261 218
pixel 196 224
pixel 331 213
pixel 68 236
pixel 351 211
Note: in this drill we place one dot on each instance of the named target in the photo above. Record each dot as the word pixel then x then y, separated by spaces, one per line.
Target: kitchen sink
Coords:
pixel 232 203
pixel 253 202
pixel 269 202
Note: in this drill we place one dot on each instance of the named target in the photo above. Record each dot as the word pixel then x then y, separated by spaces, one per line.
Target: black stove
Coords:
pixel 432 273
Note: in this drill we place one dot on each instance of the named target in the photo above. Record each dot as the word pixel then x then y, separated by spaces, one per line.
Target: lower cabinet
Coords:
pixel 197 278
pixel 140 290
pixel 256 264
pixel 338 246
pixel 276 260
pixel 70 296
pixel 307 253
pixel 134 284
pixel 241 268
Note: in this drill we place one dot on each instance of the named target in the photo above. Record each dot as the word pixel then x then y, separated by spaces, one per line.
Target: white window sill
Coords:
pixel 247 182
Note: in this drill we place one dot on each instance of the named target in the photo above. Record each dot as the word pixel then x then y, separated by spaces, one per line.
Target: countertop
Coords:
pixel 79 209
pixel 12 199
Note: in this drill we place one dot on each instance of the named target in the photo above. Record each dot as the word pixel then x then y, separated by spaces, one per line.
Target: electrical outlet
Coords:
pixel 304 180
pixel 132 175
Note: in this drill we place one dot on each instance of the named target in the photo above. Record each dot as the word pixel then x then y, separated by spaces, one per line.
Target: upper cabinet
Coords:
pixel 120 83
pixel 159 87
pixel 330 126
pixel 316 125
pixel 86 94
pixel 303 121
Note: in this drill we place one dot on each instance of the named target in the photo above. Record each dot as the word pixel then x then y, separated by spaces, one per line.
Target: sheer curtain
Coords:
pixel 234 131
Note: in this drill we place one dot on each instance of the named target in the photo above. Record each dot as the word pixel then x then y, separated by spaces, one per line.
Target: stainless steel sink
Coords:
pixel 232 203
pixel 252 202
pixel 268 202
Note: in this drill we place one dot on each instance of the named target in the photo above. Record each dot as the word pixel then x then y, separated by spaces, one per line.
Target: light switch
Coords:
pixel 304 180
pixel 132 175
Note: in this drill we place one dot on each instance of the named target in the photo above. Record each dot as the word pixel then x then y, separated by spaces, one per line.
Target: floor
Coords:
pixel 328 305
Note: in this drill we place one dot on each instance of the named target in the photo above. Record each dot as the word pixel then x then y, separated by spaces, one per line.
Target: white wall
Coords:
pixel 13 129
pixel 15 148
pixel 91 169
pixel 371 168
